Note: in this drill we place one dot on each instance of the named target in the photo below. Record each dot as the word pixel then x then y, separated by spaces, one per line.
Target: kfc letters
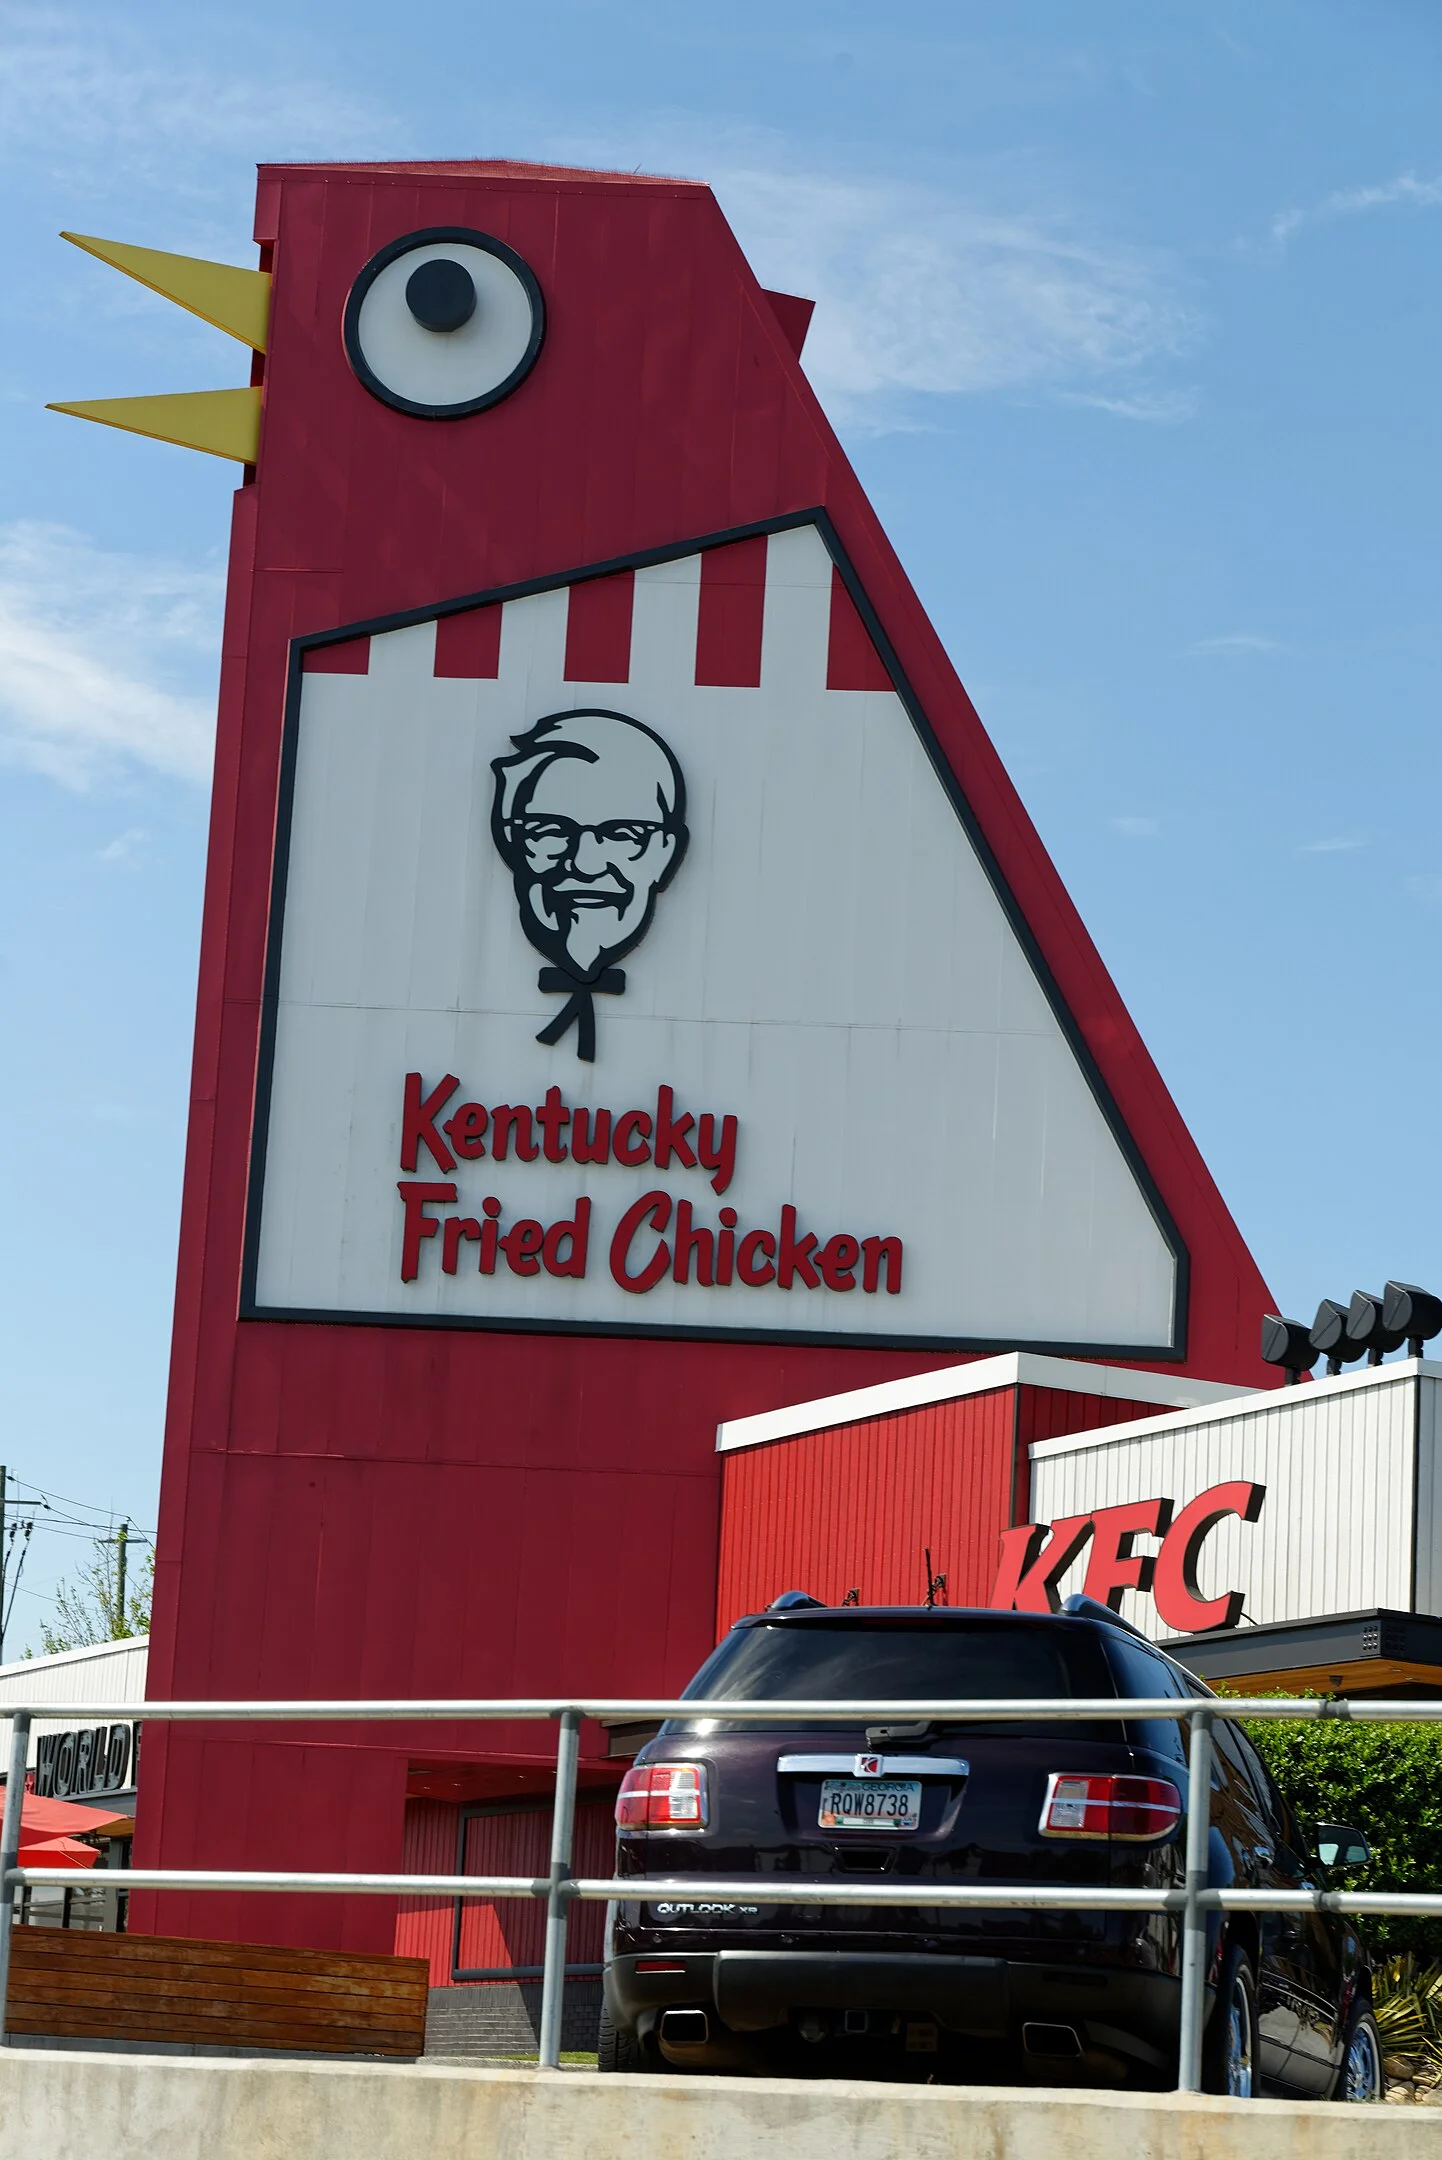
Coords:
pixel 1035 1557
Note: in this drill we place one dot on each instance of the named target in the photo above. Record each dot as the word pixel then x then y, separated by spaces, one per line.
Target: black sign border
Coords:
pixel 1173 1352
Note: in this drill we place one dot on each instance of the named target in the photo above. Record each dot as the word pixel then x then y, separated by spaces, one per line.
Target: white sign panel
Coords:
pixel 664 1005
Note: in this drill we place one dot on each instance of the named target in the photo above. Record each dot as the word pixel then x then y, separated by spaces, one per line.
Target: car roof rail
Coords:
pixel 1090 1608
pixel 794 1601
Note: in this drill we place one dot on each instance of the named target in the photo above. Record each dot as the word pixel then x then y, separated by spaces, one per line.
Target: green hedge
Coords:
pixel 1386 1780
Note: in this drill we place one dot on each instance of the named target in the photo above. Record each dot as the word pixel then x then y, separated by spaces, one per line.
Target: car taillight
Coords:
pixel 662 1796
pixel 1081 1806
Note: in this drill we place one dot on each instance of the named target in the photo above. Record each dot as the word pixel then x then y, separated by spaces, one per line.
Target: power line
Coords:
pixel 66 1499
pixel 47 1512
pixel 89 1521
pixel 87 1537
pixel 91 1517
pixel 84 1522
pixel 91 1533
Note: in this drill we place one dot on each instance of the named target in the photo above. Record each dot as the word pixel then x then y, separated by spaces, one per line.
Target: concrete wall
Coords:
pixel 138 2108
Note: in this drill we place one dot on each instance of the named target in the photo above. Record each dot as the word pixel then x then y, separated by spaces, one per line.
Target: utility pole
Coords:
pixel 2 1563
pixel 121 1536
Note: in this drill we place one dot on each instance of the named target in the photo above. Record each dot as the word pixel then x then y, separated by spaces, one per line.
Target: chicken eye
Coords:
pixel 444 322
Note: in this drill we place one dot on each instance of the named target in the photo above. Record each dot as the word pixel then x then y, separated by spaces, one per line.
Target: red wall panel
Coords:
pixel 852 661
pixel 468 646
pixel 517 1841
pixel 499 1840
pixel 322 1803
pixel 424 1925
pixel 730 614
pixel 857 1505
pixel 598 629
pixel 1046 1413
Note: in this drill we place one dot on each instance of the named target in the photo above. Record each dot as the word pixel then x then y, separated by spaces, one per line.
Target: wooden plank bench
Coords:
pixel 69 1984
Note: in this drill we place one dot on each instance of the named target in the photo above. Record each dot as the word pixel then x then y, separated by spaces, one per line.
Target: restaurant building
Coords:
pixel 1288 1540
pixel 81 1777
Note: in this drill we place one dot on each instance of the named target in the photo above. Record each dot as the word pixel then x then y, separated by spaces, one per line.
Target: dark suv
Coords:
pixel 1042 1995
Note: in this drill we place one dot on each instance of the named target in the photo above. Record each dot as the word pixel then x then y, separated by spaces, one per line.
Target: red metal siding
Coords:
pixel 1046 1413
pixel 424 1925
pixel 857 1505
pixel 501 1841
pixel 517 1841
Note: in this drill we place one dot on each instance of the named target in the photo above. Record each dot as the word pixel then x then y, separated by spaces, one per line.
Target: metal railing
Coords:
pixel 559 1888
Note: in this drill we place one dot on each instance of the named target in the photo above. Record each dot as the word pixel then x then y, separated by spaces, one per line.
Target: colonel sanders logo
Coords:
pixel 590 816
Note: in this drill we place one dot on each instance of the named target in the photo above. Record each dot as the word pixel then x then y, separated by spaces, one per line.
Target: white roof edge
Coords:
pixel 1014 1368
pixel 49 1659
pixel 1255 1399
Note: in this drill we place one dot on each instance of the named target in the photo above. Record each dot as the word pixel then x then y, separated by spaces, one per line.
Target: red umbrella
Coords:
pixel 48 1832
pixel 55 1852
pixel 63 1818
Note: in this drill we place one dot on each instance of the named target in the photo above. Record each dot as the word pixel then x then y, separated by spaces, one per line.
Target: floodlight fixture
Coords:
pixel 1367 1327
pixel 1328 1335
pixel 1413 1315
pixel 1288 1344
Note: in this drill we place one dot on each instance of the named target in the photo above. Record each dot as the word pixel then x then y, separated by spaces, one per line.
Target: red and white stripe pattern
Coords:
pixel 731 614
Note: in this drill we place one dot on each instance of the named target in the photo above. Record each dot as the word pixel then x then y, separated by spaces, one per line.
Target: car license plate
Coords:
pixel 849 1803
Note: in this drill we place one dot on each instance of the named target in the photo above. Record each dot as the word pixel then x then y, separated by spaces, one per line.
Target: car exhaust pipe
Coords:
pixel 1051 2040
pixel 685 2028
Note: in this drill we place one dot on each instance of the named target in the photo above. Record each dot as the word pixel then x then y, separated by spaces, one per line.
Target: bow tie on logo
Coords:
pixel 579 1011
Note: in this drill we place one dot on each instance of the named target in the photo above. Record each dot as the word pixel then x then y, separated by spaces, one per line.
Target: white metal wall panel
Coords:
pixel 831 964
pixel 1429 1495
pixel 1335 1532
pixel 106 1672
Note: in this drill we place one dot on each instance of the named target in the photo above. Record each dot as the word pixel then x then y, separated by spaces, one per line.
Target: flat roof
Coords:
pixel 47 1661
pixel 1378 1649
pixel 1205 1411
pixel 980 1376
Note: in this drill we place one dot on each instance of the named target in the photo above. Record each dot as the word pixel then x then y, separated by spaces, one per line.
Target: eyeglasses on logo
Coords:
pixel 589 816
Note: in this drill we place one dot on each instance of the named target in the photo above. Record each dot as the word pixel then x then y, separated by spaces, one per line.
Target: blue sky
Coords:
pixel 1128 316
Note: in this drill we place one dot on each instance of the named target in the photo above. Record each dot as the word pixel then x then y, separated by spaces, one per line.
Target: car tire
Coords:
pixel 617 2049
pixel 1361 2077
pixel 1229 2044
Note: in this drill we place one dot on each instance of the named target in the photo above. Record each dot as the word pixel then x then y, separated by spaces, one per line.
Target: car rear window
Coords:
pixel 1142 1673
pixel 819 1661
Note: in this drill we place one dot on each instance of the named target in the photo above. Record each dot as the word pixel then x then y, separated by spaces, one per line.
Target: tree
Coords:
pixel 1387 1781
pixel 88 1610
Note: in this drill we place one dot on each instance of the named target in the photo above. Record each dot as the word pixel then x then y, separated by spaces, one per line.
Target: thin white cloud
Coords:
pixel 1285 223
pixel 103 658
pixel 1235 641
pixel 1164 408
pixel 86 94
pixel 1341 844
pixel 1354 202
pixel 1136 828
pixel 126 848
pixel 921 291
pixel 927 290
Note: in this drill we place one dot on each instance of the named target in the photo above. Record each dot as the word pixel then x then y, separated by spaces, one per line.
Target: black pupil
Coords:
pixel 441 295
